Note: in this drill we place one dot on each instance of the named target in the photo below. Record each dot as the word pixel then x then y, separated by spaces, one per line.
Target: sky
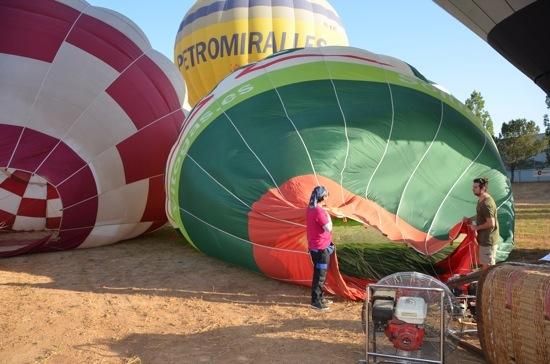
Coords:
pixel 418 32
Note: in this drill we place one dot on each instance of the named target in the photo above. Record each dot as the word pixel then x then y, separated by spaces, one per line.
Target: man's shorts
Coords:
pixel 487 254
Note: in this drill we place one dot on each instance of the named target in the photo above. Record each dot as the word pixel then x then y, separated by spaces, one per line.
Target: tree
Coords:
pixel 547 134
pixel 518 141
pixel 476 103
pixel 547 131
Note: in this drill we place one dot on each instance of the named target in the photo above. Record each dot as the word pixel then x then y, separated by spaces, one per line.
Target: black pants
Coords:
pixel 320 259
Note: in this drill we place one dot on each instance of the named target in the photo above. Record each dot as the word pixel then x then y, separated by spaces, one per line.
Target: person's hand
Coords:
pixel 467 220
pixel 336 212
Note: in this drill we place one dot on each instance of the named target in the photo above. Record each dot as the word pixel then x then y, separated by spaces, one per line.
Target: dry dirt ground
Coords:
pixel 157 300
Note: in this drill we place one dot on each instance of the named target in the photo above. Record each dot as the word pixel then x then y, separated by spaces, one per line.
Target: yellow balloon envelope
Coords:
pixel 217 37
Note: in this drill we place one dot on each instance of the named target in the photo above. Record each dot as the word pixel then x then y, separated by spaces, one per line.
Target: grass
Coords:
pixel 532 231
pixel 532 224
pixel 365 252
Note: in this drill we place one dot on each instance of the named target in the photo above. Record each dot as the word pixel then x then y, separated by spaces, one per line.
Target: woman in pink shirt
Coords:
pixel 319 238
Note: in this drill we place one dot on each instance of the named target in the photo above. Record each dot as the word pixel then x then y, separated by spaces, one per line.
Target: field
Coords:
pixel 532 221
pixel 156 300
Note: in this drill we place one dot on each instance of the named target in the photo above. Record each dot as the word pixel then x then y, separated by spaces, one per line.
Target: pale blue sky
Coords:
pixel 416 31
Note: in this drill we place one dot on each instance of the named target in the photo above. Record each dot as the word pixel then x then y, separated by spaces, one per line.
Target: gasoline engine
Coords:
pixel 401 320
pixel 407 316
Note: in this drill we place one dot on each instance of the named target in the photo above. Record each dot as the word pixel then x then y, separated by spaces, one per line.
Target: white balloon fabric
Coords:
pixel 89 114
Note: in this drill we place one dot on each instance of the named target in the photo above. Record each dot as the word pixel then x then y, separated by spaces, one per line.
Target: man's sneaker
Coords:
pixel 326 302
pixel 320 307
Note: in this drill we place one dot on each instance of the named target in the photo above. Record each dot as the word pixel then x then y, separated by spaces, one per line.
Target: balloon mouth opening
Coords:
pixel 367 253
pixel 31 211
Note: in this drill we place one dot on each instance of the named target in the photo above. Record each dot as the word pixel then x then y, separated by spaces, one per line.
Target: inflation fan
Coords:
pixel 406 318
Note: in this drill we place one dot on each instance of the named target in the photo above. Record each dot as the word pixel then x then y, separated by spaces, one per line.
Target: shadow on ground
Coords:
pixel 236 344
pixel 160 264
pixel 531 256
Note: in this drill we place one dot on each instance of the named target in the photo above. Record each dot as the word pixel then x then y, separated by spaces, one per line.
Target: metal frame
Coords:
pixel 372 354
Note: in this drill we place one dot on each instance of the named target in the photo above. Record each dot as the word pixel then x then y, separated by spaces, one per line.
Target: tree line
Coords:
pixel 518 139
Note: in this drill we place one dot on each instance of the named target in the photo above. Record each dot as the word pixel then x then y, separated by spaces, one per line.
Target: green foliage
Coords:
pixel 547 131
pixel 476 103
pixel 519 141
pixel 547 134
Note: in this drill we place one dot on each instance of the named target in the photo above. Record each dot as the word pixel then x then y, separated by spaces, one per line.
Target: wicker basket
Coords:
pixel 514 314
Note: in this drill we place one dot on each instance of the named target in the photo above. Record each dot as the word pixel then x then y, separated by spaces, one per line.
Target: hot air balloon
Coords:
pixel 89 114
pixel 515 29
pixel 217 37
pixel 396 153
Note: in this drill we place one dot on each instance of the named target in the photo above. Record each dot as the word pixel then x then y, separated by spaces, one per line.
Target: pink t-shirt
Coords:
pixel 317 237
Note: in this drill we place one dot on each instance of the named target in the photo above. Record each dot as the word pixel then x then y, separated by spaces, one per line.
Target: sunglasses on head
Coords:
pixel 481 181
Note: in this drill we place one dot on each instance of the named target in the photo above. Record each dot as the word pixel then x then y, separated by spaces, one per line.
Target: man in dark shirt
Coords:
pixel 486 223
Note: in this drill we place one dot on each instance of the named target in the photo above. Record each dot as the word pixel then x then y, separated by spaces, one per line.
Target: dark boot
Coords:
pixel 320 269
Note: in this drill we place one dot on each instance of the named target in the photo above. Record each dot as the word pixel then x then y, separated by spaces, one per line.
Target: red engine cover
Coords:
pixel 405 336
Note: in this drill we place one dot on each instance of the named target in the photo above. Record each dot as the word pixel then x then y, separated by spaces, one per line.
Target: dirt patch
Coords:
pixel 156 300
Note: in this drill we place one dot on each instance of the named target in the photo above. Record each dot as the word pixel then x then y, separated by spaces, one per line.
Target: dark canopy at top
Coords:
pixel 517 29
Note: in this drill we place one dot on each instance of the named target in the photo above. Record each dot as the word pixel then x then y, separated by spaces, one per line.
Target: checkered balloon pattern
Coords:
pixel 29 202
pixel 89 114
